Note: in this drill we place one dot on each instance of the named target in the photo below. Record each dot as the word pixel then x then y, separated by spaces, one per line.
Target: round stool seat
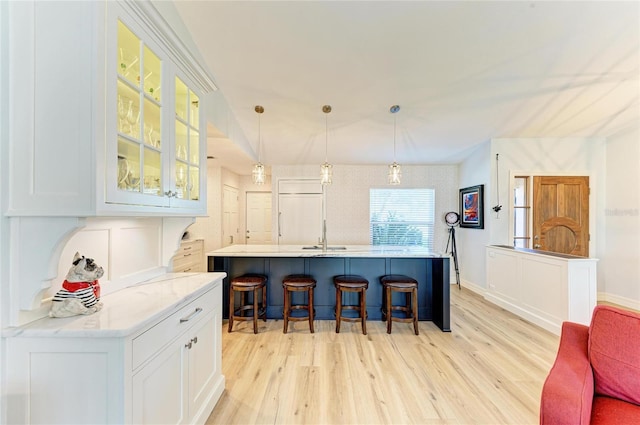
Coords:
pixel 298 283
pixel 244 284
pixel 400 283
pixel 351 283
pixel 248 280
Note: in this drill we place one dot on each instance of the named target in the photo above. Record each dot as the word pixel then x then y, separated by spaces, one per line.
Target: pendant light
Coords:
pixel 258 173
pixel 395 173
pixel 325 169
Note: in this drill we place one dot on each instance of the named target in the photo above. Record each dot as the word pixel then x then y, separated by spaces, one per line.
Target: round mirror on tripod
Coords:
pixel 452 219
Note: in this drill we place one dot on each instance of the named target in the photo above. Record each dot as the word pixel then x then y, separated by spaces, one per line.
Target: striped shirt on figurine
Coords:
pixel 80 293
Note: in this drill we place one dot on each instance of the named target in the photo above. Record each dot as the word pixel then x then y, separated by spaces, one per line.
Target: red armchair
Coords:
pixel 596 376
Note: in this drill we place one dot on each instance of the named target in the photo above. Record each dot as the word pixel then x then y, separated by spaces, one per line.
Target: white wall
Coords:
pixel 619 266
pixel 4 189
pixel 210 228
pixel 475 170
pixel 348 196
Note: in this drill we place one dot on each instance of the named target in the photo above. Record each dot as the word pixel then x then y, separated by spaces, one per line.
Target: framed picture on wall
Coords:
pixel 472 207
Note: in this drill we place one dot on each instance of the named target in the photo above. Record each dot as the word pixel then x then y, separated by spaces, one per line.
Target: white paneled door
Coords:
pixel 230 221
pixel 258 218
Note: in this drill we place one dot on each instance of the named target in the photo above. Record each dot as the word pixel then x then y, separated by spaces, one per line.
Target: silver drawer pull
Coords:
pixel 197 311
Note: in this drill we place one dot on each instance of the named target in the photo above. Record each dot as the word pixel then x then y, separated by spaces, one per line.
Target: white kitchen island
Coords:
pixel 153 354
pixel 430 269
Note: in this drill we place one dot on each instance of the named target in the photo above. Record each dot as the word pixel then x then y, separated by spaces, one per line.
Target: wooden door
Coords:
pixel 258 218
pixel 561 214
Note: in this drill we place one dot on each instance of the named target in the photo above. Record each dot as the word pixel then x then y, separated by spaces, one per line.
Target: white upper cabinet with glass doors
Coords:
pixel 106 117
pixel 159 146
pixel 187 146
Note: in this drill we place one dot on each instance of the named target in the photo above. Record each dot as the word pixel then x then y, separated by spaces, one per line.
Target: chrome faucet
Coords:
pixel 324 235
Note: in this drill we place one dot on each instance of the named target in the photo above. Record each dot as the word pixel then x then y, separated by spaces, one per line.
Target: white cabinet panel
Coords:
pixel 50 69
pixel 299 219
pixel 158 390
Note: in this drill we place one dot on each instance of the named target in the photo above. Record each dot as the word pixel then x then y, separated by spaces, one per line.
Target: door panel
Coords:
pixel 561 214
pixel 258 218
pixel 230 223
pixel 299 219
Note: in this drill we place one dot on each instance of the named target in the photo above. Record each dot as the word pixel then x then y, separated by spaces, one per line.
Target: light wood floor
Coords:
pixel 488 370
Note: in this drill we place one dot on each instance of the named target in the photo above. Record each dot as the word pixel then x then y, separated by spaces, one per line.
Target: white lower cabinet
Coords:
pixel 169 372
pixel 176 386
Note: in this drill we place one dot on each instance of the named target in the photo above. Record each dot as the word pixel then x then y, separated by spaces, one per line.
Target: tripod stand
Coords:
pixel 454 252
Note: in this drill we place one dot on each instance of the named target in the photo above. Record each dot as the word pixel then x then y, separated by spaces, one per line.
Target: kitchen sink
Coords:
pixel 329 248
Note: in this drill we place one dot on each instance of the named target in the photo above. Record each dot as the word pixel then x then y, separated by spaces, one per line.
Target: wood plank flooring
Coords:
pixel 488 370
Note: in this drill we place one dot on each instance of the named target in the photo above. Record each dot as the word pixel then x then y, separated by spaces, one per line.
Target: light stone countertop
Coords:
pixel 126 311
pixel 364 251
pixel 567 257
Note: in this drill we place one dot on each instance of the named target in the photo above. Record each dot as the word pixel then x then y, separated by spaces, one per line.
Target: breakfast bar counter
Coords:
pixel 431 270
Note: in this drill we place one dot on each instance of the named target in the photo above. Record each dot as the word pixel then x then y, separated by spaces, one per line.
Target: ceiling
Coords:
pixel 462 73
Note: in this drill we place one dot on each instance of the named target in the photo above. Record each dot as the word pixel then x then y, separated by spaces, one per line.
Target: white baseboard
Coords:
pixel 519 311
pixel 553 327
pixel 618 300
pixel 472 287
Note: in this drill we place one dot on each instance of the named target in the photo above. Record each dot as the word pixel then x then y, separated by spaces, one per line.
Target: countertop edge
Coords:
pixel 550 254
pixel 350 251
pixel 76 326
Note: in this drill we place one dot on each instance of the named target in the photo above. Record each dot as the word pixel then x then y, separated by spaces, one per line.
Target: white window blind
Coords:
pixel 402 217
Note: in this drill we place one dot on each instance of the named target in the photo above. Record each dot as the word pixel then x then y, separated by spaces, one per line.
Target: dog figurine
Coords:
pixel 80 293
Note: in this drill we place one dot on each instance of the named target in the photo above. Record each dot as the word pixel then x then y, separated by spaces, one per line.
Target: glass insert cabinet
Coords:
pixel 157 149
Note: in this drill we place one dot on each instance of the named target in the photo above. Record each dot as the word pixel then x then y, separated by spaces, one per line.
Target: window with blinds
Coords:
pixel 402 217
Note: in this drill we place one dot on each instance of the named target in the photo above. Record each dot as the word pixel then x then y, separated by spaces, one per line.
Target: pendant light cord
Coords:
pixel 326 109
pixel 498 207
pixel 259 110
pixel 394 138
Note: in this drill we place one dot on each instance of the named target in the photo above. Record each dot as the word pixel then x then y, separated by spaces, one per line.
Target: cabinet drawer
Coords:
pixel 189 246
pixel 151 341
pixel 189 257
pixel 183 261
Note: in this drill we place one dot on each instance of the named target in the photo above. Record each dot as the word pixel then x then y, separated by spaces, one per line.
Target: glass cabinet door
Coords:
pixel 187 143
pixel 139 109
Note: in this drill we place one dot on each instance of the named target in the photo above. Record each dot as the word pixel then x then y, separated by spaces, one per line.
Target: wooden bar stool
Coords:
pixel 244 284
pixel 400 283
pixel 351 283
pixel 298 283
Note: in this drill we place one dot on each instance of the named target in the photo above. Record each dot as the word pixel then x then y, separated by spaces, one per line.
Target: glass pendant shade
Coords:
pixel 395 173
pixel 326 173
pixel 258 174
